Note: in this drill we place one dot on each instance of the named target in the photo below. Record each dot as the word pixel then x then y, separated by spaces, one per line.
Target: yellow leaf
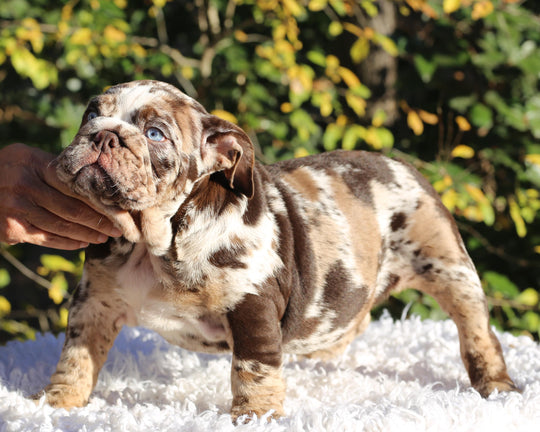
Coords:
pixel 473 213
pixel 58 288
pixel 387 44
pixel 529 297
pixel 515 214
pixel 82 36
pixel 450 6
pixel 450 199
pixel 475 193
pixel 120 3
pixel 63 321
pixel 240 36
pixel 378 118
pixel 373 139
pixel 335 28
pixel 359 50
pixel 356 103
pixel 326 104
pixel 355 30
pixel 463 151
pixel 463 123
pixel 482 9
pixel 428 117
pixel 114 35
pixel 537 249
pixel 159 3
pixel 533 158
pixel 225 115
pixel 139 51
pixel 286 107
pixel 317 5
pixel 443 184
pixel 300 152
pixel 5 306
pixel 349 77
pixel 415 122
pixel 293 7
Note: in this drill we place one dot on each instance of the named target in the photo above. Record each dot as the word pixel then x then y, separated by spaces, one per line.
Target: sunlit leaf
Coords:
pixel 415 123
pixel 57 263
pixel 58 288
pixel 463 151
pixel 533 159
pixel 463 123
pixel 360 50
pixel 450 6
pixel 82 36
pixel 449 199
pixel 428 117
pixel 225 115
pixel 63 318
pixel 335 28
pixel 352 135
pixel 482 9
pixel 529 297
pixel 515 214
pixel 4 278
pixel 349 77
pixel 301 152
pixel 5 306
pixel 317 5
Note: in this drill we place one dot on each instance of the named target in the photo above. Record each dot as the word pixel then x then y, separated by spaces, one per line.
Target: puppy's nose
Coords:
pixel 104 139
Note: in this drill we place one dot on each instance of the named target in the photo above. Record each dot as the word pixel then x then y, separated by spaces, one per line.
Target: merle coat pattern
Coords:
pixel 221 253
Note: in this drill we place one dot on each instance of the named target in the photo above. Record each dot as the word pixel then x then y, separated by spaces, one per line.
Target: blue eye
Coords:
pixel 91 116
pixel 155 134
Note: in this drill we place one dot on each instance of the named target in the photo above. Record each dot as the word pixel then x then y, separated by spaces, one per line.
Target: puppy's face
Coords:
pixel 140 143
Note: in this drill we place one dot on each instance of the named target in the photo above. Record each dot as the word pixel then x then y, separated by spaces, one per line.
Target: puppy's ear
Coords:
pixel 225 147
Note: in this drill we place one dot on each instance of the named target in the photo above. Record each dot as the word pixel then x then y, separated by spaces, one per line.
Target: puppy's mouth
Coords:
pixel 105 169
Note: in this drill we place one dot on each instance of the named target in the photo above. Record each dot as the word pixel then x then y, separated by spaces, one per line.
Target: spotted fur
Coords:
pixel 224 254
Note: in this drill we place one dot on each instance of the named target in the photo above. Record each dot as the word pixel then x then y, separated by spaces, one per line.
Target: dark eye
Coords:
pixel 91 115
pixel 155 134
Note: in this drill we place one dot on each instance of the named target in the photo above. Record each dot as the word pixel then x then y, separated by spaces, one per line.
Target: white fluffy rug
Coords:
pixel 398 376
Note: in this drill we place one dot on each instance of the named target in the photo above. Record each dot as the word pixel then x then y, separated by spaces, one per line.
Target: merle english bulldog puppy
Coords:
pixel 224 254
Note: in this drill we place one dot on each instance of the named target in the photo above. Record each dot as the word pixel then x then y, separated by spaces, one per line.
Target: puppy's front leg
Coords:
pixel 93 325
pixel 257 382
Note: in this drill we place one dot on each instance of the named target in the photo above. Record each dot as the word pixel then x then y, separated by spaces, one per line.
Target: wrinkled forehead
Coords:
pixel 125 101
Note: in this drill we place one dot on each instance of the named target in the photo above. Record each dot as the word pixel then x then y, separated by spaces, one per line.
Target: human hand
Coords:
pixel 36 207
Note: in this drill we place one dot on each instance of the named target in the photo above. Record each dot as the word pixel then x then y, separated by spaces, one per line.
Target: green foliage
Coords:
pixel 465 107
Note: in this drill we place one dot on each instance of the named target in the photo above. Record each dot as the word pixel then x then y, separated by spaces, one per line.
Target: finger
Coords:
pixel 61 201
pixel 23 232
pixel 28 215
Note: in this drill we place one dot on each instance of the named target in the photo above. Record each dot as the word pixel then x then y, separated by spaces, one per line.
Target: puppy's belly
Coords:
pixel 204 334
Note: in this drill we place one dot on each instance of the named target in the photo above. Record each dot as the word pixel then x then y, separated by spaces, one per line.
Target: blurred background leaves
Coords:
pixel 451 86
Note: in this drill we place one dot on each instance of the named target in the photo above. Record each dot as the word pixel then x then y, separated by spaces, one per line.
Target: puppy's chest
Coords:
pixel 163 299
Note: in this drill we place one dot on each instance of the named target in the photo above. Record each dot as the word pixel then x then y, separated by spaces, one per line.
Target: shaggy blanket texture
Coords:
pixel 397 376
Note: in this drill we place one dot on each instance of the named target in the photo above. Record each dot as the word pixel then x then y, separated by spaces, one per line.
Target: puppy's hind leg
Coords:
pixel 443 269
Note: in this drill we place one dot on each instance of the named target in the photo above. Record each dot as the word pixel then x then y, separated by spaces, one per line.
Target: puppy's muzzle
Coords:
pixel 106 140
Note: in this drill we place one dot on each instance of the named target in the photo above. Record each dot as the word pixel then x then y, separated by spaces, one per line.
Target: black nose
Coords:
pixel 106 139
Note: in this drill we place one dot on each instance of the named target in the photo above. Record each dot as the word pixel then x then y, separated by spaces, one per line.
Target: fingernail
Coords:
pixel 82 245
pixel 102 238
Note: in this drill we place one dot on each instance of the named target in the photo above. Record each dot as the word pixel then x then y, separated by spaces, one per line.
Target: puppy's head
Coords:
pixel 142 143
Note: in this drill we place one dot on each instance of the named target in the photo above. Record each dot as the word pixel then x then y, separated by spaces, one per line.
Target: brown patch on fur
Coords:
pixel 364 231
pixel 301 180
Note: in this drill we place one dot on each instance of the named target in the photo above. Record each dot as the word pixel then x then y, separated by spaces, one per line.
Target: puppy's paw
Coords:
pixel 244 411
pixel 61 397
pixel 501 385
